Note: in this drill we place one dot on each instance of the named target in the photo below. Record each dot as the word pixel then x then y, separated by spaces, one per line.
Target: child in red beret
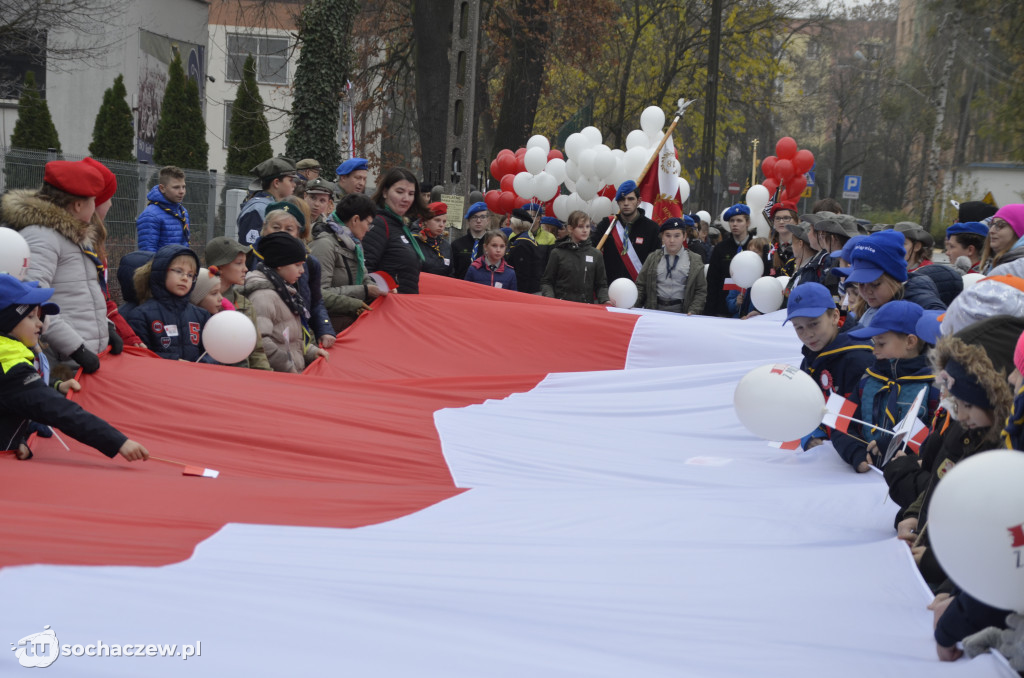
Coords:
pixel 437 251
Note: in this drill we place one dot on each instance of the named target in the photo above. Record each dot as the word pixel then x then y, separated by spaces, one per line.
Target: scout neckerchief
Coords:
pixel 101 269
pixel 180 217
pixel 408 234
pixel 435 243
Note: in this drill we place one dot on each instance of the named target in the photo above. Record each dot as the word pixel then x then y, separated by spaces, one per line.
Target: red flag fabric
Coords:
pixel 658 189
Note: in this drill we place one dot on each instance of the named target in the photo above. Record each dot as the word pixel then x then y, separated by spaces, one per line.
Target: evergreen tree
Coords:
pixel 113 134
pixel 325 29
pixel 34 129
pixel 249 140
pixel 181 132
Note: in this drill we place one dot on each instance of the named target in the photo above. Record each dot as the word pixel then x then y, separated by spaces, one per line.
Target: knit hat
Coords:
pixel 1011 214
pixel 280 249
pixel 975 210
pixel 896 316
pixel 77 178
pixel 1018 354
pixel 222 251
pixel 625 188
pixel 736 210
pixel 965 386
pixel 352 165
pixel 475 208
pixel 291 209
pixel 438 208
pixel 109 180
pixel 809 300
pixel 974 227
pixel 205 282
pixel 17 299
pixel 876 254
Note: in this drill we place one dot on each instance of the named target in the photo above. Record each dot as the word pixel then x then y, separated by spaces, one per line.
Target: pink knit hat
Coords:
pixel 1018 354
pixel 1014 216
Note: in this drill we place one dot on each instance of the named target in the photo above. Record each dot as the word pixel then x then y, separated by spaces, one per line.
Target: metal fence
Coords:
pixel 204 198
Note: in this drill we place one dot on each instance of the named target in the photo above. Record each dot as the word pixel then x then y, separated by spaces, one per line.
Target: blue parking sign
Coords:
pixel 851 186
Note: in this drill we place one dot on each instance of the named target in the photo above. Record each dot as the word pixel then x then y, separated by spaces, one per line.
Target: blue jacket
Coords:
pixel 503 276
pixel 126 268
pixel 838 368
pixel 161 223
pixel 168 324
pixel 882 398
pixel 250 219
pixel 949 282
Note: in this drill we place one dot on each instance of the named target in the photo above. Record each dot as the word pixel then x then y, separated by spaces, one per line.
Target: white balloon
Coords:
pixel 705 217
pixel 974 523
pixel 539 141
pixel 562 207
pixel 535 160
pixel 652 120
pixel 586 161
pixel 636 138
pixel 556 168
pixel 604 162
pixel 545 186
pixel 783 281
pixel 635 160
pixel 684 192
pixel 229 337
pixel 757 197
pixel 760 224
pixel 623 293
pixel 970 279
pixel 593 135
pixel 14 253
pixel 601 207
pixel 586 188
pixel 570 184
pixel 572 170
pixel 653 140
pixel 778 402
pixel 766 294
pixel 745 268
pixel 706 266
pixel 523 185
pixel 578 203
pixel 575 144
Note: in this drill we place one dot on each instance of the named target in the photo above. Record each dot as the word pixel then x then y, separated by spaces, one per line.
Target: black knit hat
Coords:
pixel 280 249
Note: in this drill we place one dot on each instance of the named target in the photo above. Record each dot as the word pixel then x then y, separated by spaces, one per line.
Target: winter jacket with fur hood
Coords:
pixel 56 240
pixel 280 330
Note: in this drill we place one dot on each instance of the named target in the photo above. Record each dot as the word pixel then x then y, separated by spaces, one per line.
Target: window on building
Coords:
pixel 813 50
pixel 271 56
pixel 807 124
pixel 228 108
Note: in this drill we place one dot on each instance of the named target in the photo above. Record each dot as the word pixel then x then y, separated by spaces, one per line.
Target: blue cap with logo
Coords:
pixel 879 253
pixel 896 316
pixel 808 300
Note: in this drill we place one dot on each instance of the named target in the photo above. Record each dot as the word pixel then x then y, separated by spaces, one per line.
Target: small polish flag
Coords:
pixel 730 286
pixel 200 471
pixel 838 411
pixel 790 445
pixel 383 281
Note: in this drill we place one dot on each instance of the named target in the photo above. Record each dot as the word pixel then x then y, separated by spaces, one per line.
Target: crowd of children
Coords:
pixel 864 301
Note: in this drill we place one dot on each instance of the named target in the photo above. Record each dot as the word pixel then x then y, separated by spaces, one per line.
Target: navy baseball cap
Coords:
pixel 896 316
pixel 975 227
pixel 808 300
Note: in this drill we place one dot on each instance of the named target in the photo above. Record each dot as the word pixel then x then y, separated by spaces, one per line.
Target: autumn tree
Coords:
pixel 113 134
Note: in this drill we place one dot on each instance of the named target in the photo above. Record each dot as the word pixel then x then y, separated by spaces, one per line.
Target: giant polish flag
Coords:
pixel 476 483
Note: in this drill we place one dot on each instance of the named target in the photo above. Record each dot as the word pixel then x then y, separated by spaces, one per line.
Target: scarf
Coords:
pixel 408 234
pixel 180 216
pixel 341 229
pixel 289 295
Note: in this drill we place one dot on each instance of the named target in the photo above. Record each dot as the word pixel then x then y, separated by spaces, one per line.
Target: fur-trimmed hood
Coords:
pixel 24 208
pixel 976 361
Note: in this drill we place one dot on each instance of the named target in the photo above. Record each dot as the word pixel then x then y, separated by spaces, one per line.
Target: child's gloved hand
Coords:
pixel 89 361
pixel 40 430
pixel 116 342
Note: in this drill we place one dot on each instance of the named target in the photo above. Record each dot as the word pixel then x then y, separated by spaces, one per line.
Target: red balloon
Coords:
pixel 555 153
pixel 608 192
pixel 492 198
pixel 520 165
pixel 785 148
pixel 520 152
pixel 784 171
pixel 521 201
pixel 795 187
pixel 506 202
pixel 504 152
pixel 803 161
pixel 772 185
pixel 506 164
pixel 768 166
pixel 495 169
pixel 506 182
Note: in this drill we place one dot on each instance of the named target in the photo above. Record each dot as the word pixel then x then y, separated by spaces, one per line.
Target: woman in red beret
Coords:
pixel 437 251
pixel 57 222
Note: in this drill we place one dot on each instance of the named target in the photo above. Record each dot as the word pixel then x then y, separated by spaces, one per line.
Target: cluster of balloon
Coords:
pixel 976 526
pixel 623 293
pixel 525 176
pixel 14 253
pixel 787 169
pixel 778 402
pixel 229 337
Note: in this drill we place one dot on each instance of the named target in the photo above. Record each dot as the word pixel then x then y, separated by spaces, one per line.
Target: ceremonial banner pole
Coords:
pixel 683 103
